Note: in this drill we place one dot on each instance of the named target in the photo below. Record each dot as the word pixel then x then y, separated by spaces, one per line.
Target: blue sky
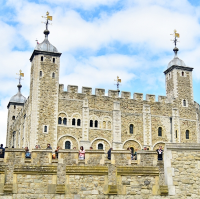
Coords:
pixel 99 39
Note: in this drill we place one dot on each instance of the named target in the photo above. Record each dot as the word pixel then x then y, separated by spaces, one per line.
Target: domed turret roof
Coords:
pixel 176 61
pixel 18 98
pixel 46 46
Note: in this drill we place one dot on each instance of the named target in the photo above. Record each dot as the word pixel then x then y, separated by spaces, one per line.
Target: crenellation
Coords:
pixel 99 92
pixel 87 90
pixel 72 89
pixel 113 93
pixel 125 95
pixel 150 98
pixel 138 96
pixel 61 88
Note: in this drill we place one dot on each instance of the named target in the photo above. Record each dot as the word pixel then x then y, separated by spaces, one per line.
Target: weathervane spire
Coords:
pixel 175 40
pixel 118 83
pixel 20 78
pixel 47 17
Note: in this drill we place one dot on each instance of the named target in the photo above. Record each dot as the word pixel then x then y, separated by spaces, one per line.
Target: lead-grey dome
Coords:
pixel 176 61
pixel 46 46
pixel 18 98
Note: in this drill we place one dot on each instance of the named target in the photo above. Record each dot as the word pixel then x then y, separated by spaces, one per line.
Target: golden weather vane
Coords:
pixel 47 17
pixel 176 35
pixel 118 83
pixel 20 76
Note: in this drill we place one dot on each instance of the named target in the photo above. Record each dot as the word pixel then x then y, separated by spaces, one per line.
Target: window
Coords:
pixel 78 122
pixel 24 116
pixel 67 145
pixel 45 129
pixel 59 120
pixel 53 60
pixel 184 102
pixel 73 121
pixel 159 131
pixel 100 146
pixel 41 58
pixel 169 75
pixel 91 123
pixel 132 150
pixel 96 124
pixel 176 133
pixel 53 75
pixel 131 129
pixel 182 73
pixel 187 134
pixel 65 121
pixel 40 73
pixel 14 107
pixel 13 117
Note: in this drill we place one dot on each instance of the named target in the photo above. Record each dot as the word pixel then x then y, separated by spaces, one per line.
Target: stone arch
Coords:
pixel 106 143
pixel 62 114
pixel 72 139
pixel 157 144
pixel 76 115
pixel 132 143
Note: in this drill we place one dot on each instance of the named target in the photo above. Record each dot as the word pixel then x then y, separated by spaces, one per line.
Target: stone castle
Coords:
pixel 70 119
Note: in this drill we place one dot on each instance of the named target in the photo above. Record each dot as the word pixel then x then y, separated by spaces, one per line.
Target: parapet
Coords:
pixel 87 90
pixel 72 89
pixel 138 96
pixel 99 92
pixel 114 94
pixel 125 95
pixel 150 98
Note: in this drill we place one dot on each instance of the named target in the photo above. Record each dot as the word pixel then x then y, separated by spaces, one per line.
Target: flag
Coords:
pixel 49 18
pixel 22 74
pixel 177 35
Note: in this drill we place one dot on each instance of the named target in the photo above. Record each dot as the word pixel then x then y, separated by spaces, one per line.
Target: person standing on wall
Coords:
pixel 160 153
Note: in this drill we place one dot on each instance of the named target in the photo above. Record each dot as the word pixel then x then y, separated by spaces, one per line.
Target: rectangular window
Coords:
pixel 41 58
pixel 45 128
pixel 54 60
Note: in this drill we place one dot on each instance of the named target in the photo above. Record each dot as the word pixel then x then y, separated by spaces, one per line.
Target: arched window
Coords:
pixel 78 122
pixel 182 73
pixel 73 121
pixel 187 134
pixel 96 124
pixel 53 75
pixel 40 73
pixel 13 117
pixel 91 123
pixel 59 120
pixel 160 131
pixel 41 58
pixel 53 60
pixel 100 146
pixel 65 121
pixel 131 129
pixel 45 129
pixel 184 102
pixel 14 107
pixel 67 145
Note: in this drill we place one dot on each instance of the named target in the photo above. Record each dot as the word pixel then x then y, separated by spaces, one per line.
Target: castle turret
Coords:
pixel 15 105
pixel 44 87
pixel 178 78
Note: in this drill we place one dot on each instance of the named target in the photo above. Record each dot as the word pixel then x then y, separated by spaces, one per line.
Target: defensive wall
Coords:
pixel 68 177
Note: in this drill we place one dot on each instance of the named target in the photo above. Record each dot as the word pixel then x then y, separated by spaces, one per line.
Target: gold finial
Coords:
pixel 47 13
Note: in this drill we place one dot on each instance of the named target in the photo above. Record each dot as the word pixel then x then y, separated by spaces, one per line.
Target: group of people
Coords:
pixel 82 152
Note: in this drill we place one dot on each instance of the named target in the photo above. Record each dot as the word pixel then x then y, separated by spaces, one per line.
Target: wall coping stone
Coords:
pixel 120 151
pixel 14 150
pixel 68 151
pixel 94 151
pixel 183 146
pixel 42 150
pixel 146 152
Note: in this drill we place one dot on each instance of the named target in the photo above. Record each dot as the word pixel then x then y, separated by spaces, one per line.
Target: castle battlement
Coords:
pixel 111 93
